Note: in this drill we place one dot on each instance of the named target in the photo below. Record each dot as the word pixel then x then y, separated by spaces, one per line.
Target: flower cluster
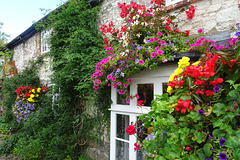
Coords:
pixel 148 38
pixel 27 101
pixel 191 12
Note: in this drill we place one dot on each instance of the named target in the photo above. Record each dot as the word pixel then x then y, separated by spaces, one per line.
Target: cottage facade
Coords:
pixel 217 17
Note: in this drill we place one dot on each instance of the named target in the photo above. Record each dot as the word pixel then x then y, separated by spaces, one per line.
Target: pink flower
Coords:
pixel 137 96
pixel 100 74
pixel 153 54
pixel 130 97
pixel 127 101
pixel 130 80
pixel 114 85
pixel 119 83
pixel 160 52
pixel 188 148
pixel 200 30
pixel 95 87
pixel 141 61
pixel 159 33
pixel 109 76
pixel 113 79
pixel 109 84
pixel 165 60
pixel 125 85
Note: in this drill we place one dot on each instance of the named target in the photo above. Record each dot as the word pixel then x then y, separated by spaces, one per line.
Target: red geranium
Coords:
pixel 131 129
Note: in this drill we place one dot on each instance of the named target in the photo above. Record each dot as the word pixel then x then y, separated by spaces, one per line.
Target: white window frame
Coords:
pixel 157 77
pixel 45 45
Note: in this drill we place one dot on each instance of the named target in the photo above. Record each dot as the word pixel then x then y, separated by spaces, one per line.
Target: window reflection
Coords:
pixel 122 150
pixel 122 124
pixel 121 98
pixel 145 92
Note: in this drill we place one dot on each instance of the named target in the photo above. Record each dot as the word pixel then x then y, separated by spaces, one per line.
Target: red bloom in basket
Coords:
pixel 131 129
pixel 183 105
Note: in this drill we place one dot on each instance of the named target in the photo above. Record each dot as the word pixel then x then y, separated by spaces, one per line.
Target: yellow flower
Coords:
pixel 171 78
pixel 184 62
pixel 178 71
pixel 32 95
pixel 37 95
pixel 30 100
pixel 196 63
pixel 33 90
pixel 39 89
pixel 169 89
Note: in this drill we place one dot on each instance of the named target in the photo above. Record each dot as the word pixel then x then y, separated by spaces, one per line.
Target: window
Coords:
pixel 45 46
pixel 170 2
pixel 146 84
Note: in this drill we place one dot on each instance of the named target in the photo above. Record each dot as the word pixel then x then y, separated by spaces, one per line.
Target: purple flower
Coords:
pixel 208 159
pixel 148 33
pixel 237 34
pixel 222 156
pixel 221 141
pixel 210 137
pixel 238 123
pixel 216 88
pixel 201 112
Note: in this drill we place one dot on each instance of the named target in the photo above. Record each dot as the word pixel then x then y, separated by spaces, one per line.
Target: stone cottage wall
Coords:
pixel 30 50
pixel 217 17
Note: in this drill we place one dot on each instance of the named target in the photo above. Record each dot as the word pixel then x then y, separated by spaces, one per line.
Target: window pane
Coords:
pixel 122 124
pixel 141 134
pixel 122 150
pixel 145 92
pixel 121 98
pixel 164 88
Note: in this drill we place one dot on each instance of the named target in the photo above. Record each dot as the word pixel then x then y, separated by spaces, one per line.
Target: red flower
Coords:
pixel 176 30
pixel 131 129
pixel 187 33
pixel 168 28
pixel 137 147
pixel 140 103
pixel 190 13
pixel 233 61
pixel 209 92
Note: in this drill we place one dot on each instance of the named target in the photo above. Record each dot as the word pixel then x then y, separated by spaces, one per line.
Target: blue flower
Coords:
pixel 221 141
pixel 148 33
pixel 222 156
pixel 201 112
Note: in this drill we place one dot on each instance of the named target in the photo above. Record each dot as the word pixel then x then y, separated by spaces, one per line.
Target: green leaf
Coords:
pixel 237 56
pixel 201 156
pixel 197 97
pixel 189 82
pixel 217 123
pixel 236 154
pixel 219 109
pixel 199 137
pixel 206 149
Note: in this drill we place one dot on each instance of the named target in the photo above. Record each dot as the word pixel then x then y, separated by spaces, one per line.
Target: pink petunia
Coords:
pixel 159 33
pixel 125 85
pixel 200 30
pixel 114 85
pixel 113 79
pixel 137 96
pixel 153 54
pixel 95 87
pixel 127 101
pixel 141 61
pixel 130 80
pixel 119 83
pixel 160 52
pixel 109 76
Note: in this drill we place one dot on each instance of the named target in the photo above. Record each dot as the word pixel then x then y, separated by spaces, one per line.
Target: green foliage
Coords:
pixel 209 126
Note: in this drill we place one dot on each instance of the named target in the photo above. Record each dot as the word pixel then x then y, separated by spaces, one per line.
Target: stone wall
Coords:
pixel 30 50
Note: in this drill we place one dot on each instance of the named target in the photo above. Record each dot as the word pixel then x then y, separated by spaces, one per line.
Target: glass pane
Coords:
pixel 121 98
pixel 164 88
pixel 122 150
pixel 141 134
pixel 122 124
pixel 145 92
